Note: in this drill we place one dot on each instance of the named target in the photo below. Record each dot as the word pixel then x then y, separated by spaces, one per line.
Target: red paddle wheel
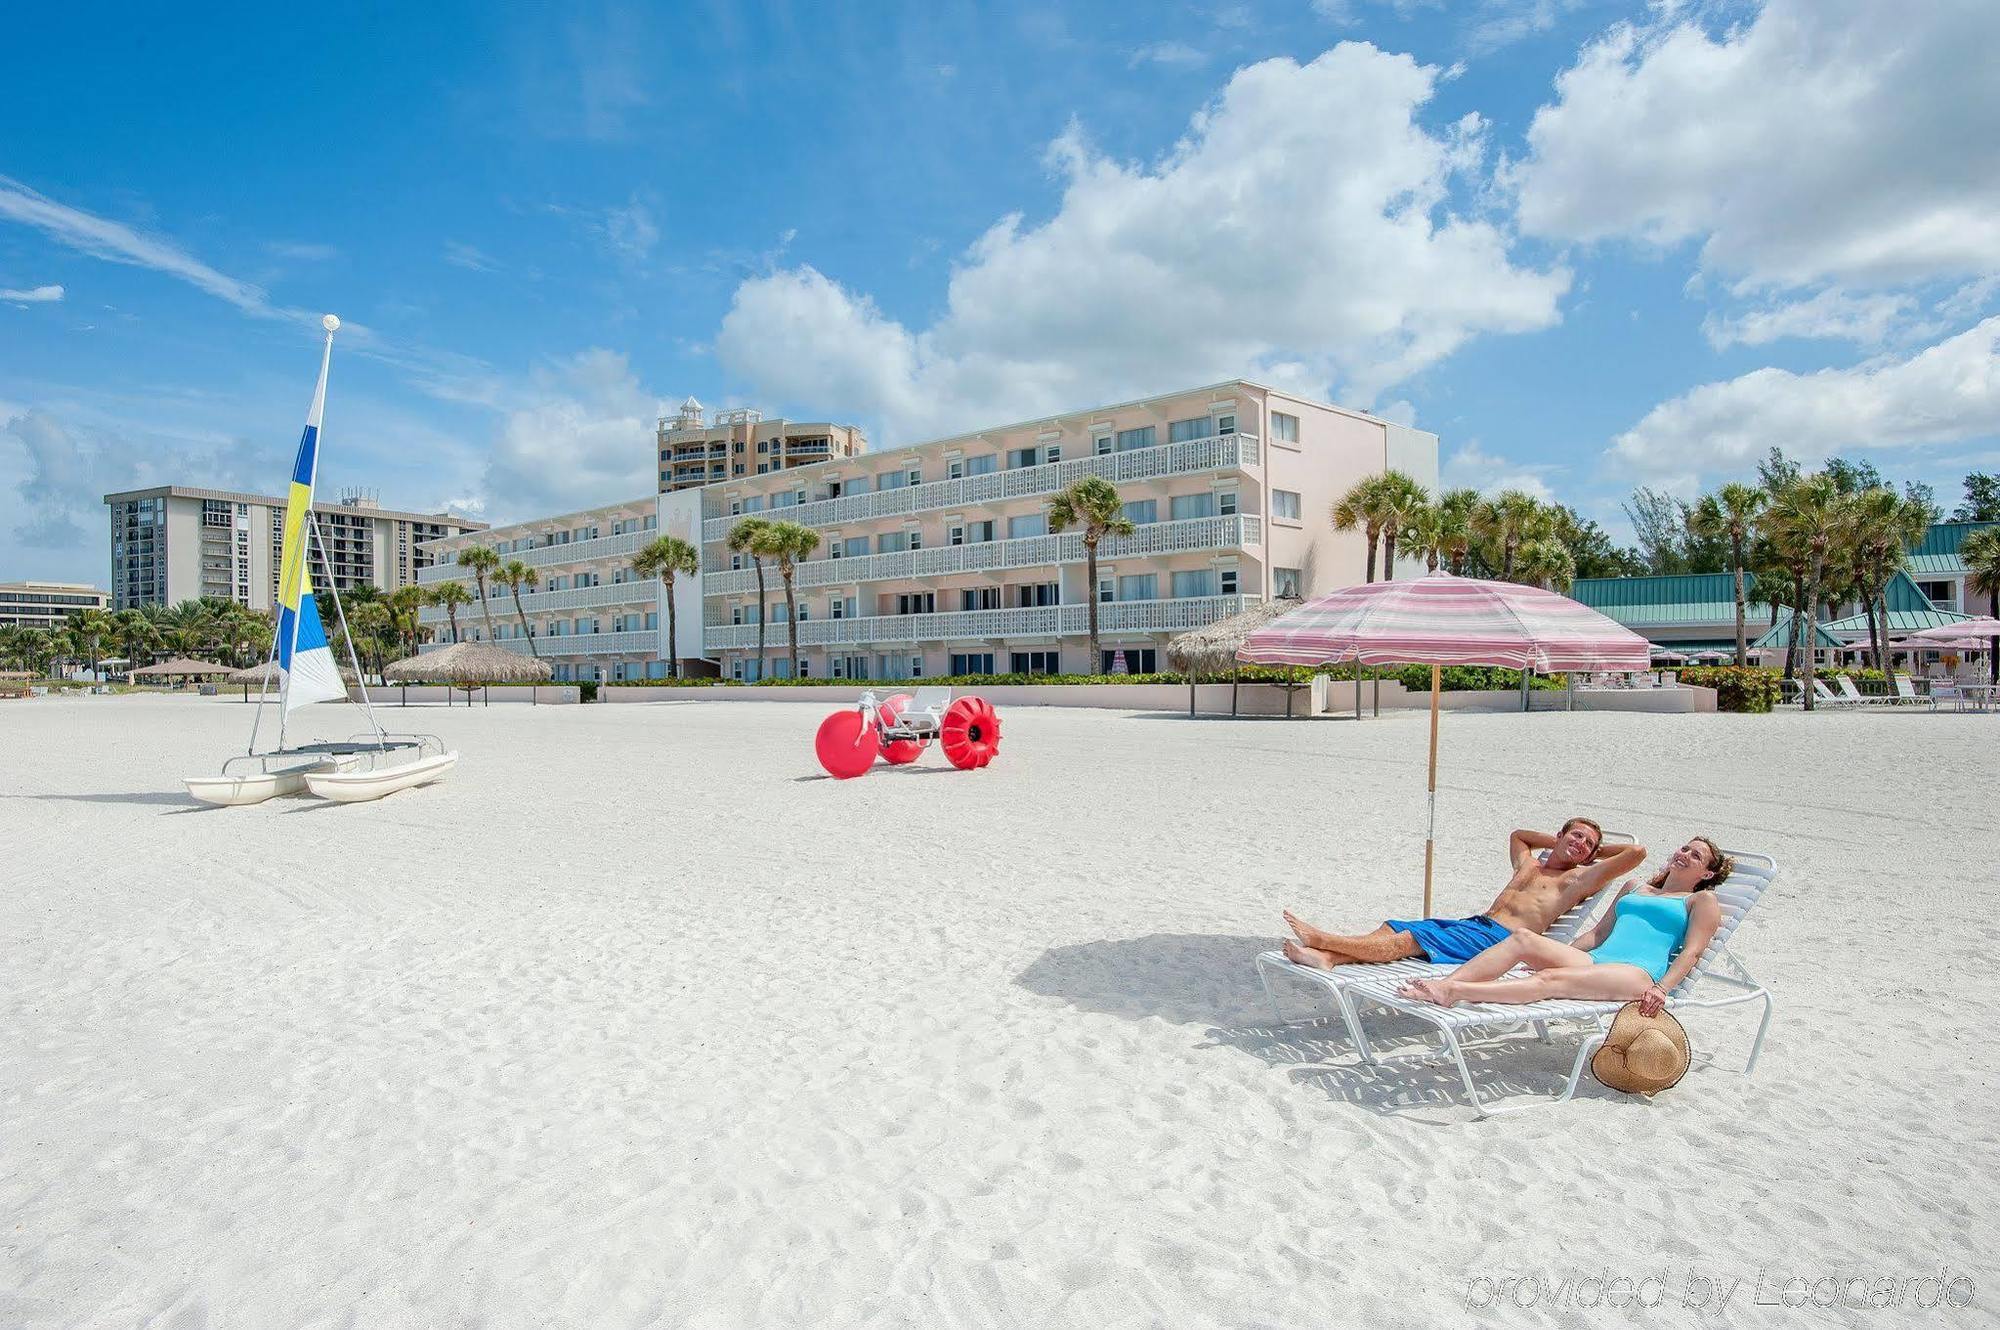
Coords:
pixel 971 733
pixel 897 752
pixel 847 744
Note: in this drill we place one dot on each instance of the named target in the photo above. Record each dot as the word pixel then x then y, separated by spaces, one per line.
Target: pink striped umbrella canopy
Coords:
pixel 1956 632
pixel 1446 620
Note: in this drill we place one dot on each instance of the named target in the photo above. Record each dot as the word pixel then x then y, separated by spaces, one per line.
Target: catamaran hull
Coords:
pixel 353 787
pixel 256 787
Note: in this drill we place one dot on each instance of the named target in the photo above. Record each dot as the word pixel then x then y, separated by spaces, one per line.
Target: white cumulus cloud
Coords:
pixel 1301 231
pixel 1942 394
pixel 1822 141
pixel 579 435
pixel 33 295
pixel 1831 314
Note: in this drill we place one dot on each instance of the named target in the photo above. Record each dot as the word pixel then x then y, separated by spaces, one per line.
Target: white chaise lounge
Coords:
pixel 1718 969
pixel 1339 980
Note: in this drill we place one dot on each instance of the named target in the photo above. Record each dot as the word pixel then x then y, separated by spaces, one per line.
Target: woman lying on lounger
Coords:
pixel 1623 957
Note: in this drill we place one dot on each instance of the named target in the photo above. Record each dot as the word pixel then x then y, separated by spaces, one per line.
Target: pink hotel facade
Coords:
pixel 936 558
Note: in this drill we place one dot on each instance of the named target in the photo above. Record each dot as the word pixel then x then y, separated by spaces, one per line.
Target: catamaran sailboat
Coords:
pixel 362 767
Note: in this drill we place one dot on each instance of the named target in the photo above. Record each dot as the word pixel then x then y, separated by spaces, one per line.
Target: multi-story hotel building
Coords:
pixel 45 604
pixel 174 543
pixel 936 558
pixel 742 443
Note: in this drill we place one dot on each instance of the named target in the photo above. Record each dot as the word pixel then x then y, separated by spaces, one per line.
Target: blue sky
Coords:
pixel 1590 245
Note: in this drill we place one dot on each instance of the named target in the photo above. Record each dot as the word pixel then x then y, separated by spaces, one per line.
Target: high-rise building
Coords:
pixel 45 604
pixel 741 443
pixel 174 542
pixel 937 559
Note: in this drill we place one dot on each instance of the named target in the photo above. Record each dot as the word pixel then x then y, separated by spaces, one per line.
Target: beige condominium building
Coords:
pixel 175 542
pixel 741 442
pixel 936 558
pixel 45 604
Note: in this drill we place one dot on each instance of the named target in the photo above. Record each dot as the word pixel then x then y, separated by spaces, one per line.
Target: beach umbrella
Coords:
pixel 180 667
pixel 468 663
pixel 1213 649
pixel 1667 654
pixel 1442 620
pixel 1984 634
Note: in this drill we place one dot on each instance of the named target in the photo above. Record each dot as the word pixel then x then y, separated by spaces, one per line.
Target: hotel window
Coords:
pixel 1944 595
pixel 1225 424
pixel 1180 431
pixel 1128 439
pixel 1285 505
pixel 1138 660
pixel 914 476
pixel 763 468
pixel 1027 524
pixel 1020 457
pixel 1101 444
pixel 1286 584
pixel 916 539
pixel 1035 595
pixel 856 546
pixel 1193 583
pixel 1225 503
pixel 954 468
pixel 1140 512
pixel 915 602
pixel 1284 428
pixel 972 662
pixel 1107 590
pixel 1182 507
pixel 892 542
pixel 978 533
pixel 979 598
pixel 1227 577
pixel 890 480
pixel 1036 662
pixel 1139 586
pixel 954 535
pixel 982 466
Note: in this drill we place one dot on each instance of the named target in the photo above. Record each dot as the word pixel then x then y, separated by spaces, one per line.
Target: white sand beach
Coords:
pixel 638 1021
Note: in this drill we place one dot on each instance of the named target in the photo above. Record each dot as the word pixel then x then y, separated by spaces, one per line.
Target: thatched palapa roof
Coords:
pixel 1212 650
pixel 469 662
pixel 180 667
pixel 268 672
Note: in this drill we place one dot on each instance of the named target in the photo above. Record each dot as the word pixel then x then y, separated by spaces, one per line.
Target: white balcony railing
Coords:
pixel 576 551
pixel 1195 533
pixel 643 643
pixel 1124 616
pixel 549 602
pixel 1217 453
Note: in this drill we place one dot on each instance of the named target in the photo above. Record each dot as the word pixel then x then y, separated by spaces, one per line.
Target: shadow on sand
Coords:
pixel 164 798
pixel 1209 981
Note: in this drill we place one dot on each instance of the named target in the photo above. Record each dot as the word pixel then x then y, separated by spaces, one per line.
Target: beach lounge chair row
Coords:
pixel 1718 980
pixel 1905 694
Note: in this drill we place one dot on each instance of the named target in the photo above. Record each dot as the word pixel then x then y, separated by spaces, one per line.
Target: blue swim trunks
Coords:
pixel 1452 940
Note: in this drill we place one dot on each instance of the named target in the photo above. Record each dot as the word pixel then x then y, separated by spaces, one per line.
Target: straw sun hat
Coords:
pixel 1641 1054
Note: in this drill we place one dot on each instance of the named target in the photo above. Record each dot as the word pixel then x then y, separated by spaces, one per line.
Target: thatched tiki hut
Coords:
pixel 181 668
pixel 268 675
pixel 1213 649
pixel 468 665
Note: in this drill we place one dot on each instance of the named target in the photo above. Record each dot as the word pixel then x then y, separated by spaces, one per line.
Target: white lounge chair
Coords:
pixel 1824 696
pixel 1342 978
pixel 1718 968
pixel 1849 693
pixel 1906 692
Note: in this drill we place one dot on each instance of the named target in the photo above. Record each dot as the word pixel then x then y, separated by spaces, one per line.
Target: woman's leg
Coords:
pixel 1519 947
pixel 1597 983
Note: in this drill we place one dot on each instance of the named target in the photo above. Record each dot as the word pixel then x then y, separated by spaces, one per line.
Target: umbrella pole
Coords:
pixel 1430 826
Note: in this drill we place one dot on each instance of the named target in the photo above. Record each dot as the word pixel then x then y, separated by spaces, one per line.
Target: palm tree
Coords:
pixel 1981 552
pixel 136 636
pixel 481 560
pixel 450 595
pixel 1453 513
pixel 1363 508
pixel 90 630
pixel 1883 525
pixel 372 628
pixel 1092 505
pixel 405 602
pixel 1403 500
pixel 1806 520
pixel 1546 562
pixel 1505 521
pixel 666 558
pixel 786 543
pixel 745 538
pixel 1731 514
pixel 514 575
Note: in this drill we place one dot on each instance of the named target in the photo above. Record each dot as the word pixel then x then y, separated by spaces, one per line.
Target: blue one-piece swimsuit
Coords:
pixel 1645 931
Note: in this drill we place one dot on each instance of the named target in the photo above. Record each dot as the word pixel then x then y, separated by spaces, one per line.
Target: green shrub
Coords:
pixel 1745 689
pixel 586 690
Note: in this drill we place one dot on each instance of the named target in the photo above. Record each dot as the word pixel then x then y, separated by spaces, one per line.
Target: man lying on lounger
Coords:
pixel 1542 889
